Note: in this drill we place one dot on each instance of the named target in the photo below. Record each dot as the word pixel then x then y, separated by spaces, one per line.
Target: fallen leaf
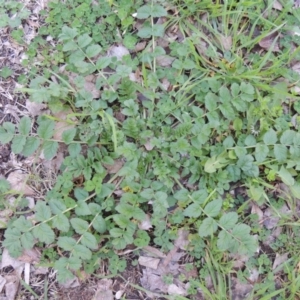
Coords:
pixel 254 274
pixel 7 260
pixel 279 260
pixel 11 286
pixel 173 289
pixel 182 239
pixel 104 291
pixel 277 5
pixel 117 166
pixel 154 251
pixel 164 60
pixel 256 210
pixel 117 51
pixel 145 224
pixel 226 42
pixel 70 283
pixel 30 256
pixel 119 294
pixel 17 180
pixel 2 283
pixel 62 125
pixel 149 262
pixel 268 41
pixel 5 217
pixel 140 46
pixel 35 109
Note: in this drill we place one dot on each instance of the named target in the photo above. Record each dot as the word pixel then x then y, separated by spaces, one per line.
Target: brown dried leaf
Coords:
pixel 279 260
pixel 154 251
pixel 35 109
pixel 17 180
pixel 173 289
pixel 70 283
pixel 226 42
pixel 5 217
pixel 11 286
pixel 104 291
pixel 30 256
pixel 113 169
pixel 268 41
pixel 62 125
pixel 182 239
pixel 117 51
pixel 164 60
pixel 277 5
pixel 145 224
pixel 149 262
pixel 2 283
pixel 256 210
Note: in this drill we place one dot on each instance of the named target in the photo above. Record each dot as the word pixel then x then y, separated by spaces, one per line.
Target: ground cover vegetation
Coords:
pixel 181 115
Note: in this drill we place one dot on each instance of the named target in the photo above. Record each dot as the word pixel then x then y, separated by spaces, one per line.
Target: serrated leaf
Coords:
pixel 50 149
pixel 286 176
pixel 74 149
pixel 61 222
pixel 46 129
pixel 18 143
pixel 225 240
pixel 199 196
pixel 84 40
pixel 43 211
pixel 261 152
pixel 24 126
pixel 68 33
pixel 44 233
pixel 214 163
pixel 103 62
pixel 67 243
pixel 144 12
pixel 69 46
pixel 227 111
pixel 57 205
pixel 158 30
pixel 99 224
pixel 82 252
pixel 213 208
pixel 239 104
pixel 79 225
pixel 158 11
pixel 228 220
pixel 280 152
pixel 22 224
pixel 208 227
pixel 5 136
pixel 240 231
pixel 27 240
pixel 225 94
pixel 270 137
pixel 247 88
pixel 93 50
pixel 74 263
pixel 31 145
pixel 211 101
pixel 12 242
pixel 193 211
pixel 89 241
pixel 235 89
pixel 63 274
pixel 68 135
pixel 287 138
pixel 82 209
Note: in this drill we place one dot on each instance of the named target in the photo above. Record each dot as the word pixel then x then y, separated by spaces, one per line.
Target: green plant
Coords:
pixel 174 155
